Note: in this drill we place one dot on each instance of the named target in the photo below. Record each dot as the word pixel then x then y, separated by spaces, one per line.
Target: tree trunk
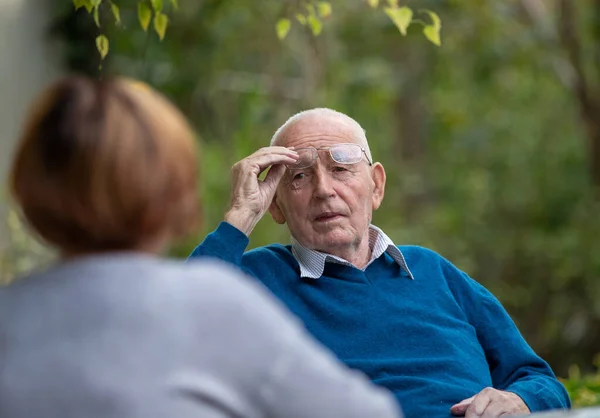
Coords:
pixel 410 123
pixel 587 96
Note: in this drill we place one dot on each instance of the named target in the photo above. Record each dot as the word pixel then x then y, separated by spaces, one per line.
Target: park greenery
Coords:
pixel 308 13
pixel 584 389
pixel 491 142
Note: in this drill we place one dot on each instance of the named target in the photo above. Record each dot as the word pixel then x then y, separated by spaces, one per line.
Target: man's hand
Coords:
pixel 250 197
pixel 490 403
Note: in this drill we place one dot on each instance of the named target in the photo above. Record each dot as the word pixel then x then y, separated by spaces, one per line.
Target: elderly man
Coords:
pixel 403 315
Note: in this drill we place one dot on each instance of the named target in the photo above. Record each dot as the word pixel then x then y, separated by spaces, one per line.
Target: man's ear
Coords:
pixel 276 212
pixel 378 177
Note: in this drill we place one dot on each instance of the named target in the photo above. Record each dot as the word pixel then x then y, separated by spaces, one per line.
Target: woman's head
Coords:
pixel 106 165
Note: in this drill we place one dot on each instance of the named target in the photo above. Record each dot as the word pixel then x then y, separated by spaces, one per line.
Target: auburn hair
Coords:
pixel 106 165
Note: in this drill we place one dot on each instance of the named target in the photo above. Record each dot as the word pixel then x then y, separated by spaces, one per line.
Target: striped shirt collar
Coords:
pixel 312 263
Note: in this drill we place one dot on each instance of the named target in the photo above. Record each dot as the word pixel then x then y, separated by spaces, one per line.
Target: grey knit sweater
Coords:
pixel 131 336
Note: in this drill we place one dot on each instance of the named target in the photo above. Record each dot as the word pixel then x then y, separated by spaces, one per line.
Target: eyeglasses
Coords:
pixel 340 153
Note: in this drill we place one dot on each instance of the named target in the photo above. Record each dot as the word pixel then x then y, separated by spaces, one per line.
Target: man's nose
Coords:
pixel 323 184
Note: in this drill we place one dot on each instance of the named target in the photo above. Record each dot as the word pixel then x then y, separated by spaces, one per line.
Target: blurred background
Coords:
pixel 491 142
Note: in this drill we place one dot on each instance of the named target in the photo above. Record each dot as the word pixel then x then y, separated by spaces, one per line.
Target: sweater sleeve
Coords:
pixel 514 366
pixel 227 243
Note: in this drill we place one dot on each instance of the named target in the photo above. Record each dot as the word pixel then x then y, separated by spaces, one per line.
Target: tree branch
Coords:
pixel 537 13
pixel 570 40
pixel 588 99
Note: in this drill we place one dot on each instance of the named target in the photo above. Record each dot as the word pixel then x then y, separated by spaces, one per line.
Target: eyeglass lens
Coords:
pixel 341 153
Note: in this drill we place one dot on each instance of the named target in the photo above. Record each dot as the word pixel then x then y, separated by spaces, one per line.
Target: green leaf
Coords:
pixel 432 32
pixel 282 27
pixel 437 23
pixel 393 3
pixel 144 15
pixel 175 4
pixel 95 3
pixel 324 9
pixel 116 13
pixel 97 15
pixel 311 9
pixel 373 3
pixel 157 5
pixel 102 45
pixel 79 4
pixel 83 3
pixel 301 19
pixel 161 21
pixel 401 17
pixel 315 24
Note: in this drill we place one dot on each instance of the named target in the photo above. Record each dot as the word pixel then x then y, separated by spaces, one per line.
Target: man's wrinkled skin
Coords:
pixel 490 403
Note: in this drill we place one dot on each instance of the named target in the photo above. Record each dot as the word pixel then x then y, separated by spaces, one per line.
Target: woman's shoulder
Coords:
pixel 130 273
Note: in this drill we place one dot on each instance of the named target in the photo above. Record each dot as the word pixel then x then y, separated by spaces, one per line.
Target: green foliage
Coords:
pixel 283 27
pixel 400 16
pixel 324 8
pixel 315 24
pixel 102 45
pixel 116 13
pixel 21 253
pixel 144 15
pixel 432 32
pixel 584 390
pixel 311 13
pixel 160 24
pixel 148 11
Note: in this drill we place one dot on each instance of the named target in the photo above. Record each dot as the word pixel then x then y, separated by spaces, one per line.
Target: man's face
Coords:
pixel 328 206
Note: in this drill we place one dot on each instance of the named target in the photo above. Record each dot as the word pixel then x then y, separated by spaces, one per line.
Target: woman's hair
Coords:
pixel 106 165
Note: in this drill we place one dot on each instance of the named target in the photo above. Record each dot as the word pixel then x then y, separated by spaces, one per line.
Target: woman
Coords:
pixel 106 173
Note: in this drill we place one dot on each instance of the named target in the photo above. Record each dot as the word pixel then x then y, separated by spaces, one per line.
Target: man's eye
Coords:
pixel 298 176
pixel 339 169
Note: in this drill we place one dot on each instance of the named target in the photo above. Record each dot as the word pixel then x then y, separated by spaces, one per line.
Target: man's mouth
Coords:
pixel 326 217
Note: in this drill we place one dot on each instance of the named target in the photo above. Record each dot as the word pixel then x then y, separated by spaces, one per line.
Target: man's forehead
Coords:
pixel 317 129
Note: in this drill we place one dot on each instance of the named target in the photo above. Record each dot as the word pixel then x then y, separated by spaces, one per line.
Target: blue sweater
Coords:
pixel 432 341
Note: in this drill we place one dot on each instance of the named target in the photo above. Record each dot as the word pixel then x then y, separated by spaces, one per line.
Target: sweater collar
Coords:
pixel 312 263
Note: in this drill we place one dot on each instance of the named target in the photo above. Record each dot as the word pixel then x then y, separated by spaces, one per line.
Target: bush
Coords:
pixel 584 390
pixel 21 252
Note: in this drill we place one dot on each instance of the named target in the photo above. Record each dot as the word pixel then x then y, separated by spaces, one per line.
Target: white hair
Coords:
pixel 359 134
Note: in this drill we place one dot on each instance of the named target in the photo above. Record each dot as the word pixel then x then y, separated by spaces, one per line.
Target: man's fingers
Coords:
pixel 490 403
pixel 272 151
pixel 460 408
pixel 263 161
pixel 505 403
pixel 497 408
pixel 479 404
pixel 274 176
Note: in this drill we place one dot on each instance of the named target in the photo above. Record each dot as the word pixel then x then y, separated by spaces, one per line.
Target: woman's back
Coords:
pixel 106 171
pixel 129 335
